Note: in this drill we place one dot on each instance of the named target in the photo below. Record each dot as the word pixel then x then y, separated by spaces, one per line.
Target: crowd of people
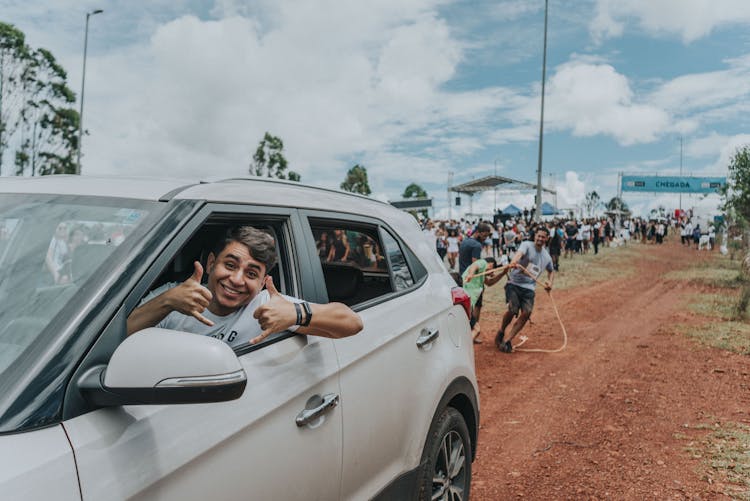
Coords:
pixel 479 253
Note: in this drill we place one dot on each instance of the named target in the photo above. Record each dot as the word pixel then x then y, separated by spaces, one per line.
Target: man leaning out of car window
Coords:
pixel 233 306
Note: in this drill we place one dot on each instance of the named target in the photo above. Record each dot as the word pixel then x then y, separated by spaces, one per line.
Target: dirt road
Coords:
pixel 612 416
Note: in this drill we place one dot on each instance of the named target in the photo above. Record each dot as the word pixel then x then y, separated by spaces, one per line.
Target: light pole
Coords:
pixel 495 189
pixel 538 212
pixel 83 86
pixel 680 174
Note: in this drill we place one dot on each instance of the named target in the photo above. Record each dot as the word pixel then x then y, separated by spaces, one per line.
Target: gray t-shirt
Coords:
pixel 533 261
pixel 235 329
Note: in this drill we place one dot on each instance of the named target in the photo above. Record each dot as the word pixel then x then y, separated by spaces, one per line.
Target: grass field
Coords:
pixel 725 451
pixel 727 327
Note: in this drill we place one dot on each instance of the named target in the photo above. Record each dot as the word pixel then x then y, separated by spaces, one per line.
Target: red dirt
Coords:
pixel 608 417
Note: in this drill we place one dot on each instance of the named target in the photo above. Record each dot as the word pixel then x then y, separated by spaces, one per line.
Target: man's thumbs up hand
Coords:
pixel 198 273
pixel 190 297
pixel 276 315
pixel 270 287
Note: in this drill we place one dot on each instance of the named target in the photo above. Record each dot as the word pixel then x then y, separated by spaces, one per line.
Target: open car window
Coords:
pixel 202 243
pixel 360 263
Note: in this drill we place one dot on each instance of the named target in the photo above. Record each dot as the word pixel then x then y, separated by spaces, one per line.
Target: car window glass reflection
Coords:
pixel 47 251
pixel 402 277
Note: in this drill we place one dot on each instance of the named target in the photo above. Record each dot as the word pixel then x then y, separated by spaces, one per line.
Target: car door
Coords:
pixel 393 371
pixel 250 448
pixel 38 464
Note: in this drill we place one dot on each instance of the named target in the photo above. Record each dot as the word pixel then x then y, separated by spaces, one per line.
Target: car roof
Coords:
pixel 264 190
pixel 68 184
pixel 253 190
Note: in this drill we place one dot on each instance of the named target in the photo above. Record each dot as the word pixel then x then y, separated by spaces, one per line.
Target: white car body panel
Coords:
pixel 38 465
pixel 384 375
pixel 208 451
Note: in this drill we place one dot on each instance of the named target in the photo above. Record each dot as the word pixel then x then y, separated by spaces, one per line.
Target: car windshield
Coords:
pixel 50 246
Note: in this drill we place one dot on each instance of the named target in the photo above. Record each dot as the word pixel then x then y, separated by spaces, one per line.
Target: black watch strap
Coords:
pixel 298 309
pixel 308 311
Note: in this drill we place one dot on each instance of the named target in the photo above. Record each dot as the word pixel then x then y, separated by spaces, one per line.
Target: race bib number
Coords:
pixel 534 269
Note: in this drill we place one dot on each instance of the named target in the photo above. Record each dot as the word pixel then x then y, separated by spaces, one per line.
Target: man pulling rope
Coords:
pixel 526 266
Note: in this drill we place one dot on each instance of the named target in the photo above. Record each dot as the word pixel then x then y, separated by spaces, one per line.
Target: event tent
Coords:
pixel 511 210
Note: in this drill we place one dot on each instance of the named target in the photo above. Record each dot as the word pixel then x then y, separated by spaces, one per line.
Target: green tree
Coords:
pixel 591 203
pixel 269 159
pixel 49 125
pixel 37 121
pixel 356 181
pixel 294 176
pixel 617 204
pixel 415 191
pixel 14 57
pixel 736 204
pixel 736 193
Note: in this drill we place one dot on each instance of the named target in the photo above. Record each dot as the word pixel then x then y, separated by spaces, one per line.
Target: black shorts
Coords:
pixel 519 298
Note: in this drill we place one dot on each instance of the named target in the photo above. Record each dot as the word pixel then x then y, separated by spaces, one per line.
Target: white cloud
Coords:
pixel 572 192
pixel 697 91
pixel 592 99
pixel 206 91
pixel 730 147
pixel 689 19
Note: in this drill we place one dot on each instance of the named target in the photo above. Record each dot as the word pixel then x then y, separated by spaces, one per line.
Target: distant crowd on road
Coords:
pixel 523 248
pixel 568 237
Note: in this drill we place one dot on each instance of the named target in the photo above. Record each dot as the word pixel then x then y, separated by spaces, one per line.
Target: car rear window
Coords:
pixel 360 262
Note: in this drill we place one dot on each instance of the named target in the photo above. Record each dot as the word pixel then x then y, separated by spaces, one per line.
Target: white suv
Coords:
pixel 390 413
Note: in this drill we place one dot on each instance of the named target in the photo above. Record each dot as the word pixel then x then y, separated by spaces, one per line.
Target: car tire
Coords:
pixel 445 472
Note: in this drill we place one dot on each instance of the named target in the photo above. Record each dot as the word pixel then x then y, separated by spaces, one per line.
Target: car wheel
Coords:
pixel 446 461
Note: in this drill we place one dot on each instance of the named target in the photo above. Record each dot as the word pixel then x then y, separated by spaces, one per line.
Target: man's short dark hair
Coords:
pixel 484 228
pixel 261 245
pixel 543 228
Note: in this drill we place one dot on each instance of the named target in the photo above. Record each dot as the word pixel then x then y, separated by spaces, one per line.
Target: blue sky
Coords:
pixel 412 89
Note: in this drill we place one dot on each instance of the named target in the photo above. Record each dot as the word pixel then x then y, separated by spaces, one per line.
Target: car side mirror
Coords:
pixel 160 366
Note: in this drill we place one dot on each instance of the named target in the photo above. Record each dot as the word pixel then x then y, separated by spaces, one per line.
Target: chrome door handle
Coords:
pixel 307 416
pixel 426 337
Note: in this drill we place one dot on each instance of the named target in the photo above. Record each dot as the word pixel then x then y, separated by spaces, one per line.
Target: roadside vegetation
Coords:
pixel 724 302
pixel 725 450
pixel 725 457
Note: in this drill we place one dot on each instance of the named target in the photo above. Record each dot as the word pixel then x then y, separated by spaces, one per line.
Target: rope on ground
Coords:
pixel 540 350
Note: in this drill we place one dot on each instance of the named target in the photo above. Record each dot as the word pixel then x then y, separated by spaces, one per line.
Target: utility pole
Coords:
pixel 450 202
pixel 680 173
pixel 83 87
pixel 538 212
pixel 495 190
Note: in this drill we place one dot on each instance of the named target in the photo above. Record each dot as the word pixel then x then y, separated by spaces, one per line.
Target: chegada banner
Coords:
pixel 672 184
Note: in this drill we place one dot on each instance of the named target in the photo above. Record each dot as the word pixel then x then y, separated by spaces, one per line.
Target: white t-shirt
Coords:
pixel 235 329
pixel 534 261
pixel 452 244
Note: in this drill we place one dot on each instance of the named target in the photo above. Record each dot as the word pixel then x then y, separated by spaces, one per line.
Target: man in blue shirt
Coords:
pixel 471 248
